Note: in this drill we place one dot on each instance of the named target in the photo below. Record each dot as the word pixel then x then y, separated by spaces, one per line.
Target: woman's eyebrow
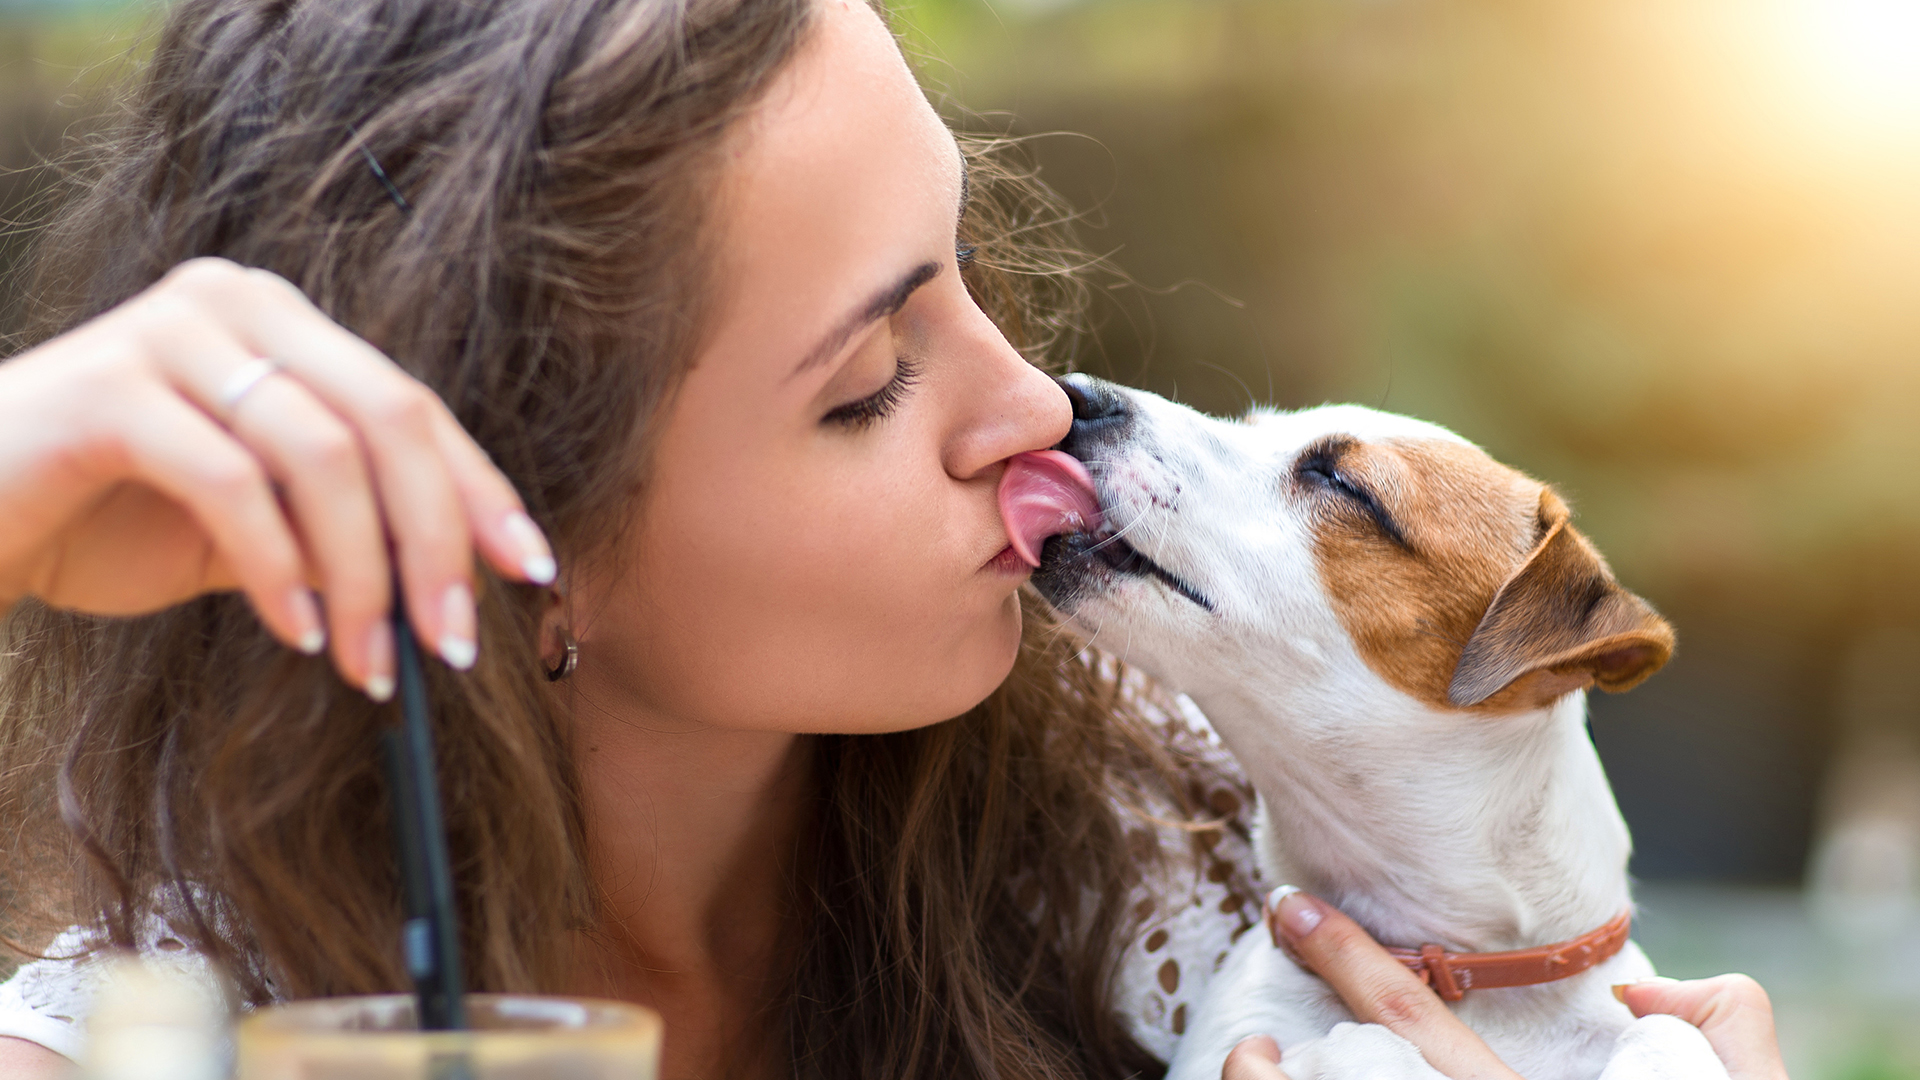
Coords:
pixel 879 306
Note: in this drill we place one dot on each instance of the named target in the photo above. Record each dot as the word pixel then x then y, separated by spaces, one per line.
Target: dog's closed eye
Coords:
pixel 1320 469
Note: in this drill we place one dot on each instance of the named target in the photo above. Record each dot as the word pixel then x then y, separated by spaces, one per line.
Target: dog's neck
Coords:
pixel 1476 833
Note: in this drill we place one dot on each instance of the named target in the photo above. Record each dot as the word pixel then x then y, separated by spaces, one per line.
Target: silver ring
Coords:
pixel 568 661
pixel 243 380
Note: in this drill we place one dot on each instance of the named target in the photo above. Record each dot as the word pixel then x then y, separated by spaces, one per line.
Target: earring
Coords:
pixel 567 663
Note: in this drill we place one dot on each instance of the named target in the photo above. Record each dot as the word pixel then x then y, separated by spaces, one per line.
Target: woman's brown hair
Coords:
pixel 538 261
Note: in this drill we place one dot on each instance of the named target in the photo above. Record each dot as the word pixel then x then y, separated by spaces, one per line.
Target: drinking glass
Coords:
pixel 513 1037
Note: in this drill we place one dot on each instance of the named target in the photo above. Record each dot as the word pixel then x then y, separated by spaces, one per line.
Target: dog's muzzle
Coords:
pixel 1075 565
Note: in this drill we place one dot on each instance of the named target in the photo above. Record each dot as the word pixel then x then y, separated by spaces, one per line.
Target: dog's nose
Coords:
pixel 1093 400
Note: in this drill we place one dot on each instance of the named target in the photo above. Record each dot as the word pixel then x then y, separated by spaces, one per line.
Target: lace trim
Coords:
pixel 48 1001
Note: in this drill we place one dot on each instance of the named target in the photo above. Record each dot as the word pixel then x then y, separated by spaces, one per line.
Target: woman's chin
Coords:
pixel 976 669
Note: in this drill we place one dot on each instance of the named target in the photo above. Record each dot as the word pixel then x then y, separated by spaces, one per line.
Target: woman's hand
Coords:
pixel 219 432
pixel 1731 1011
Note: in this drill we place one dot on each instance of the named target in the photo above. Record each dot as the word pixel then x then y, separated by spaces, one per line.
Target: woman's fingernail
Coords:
pixel 536 558
pixel 1620 989
pixel 457 627
pixel 1264 1045
pixel 1273 912
pixel 306 615
pixel 1296 912
pixel 379 684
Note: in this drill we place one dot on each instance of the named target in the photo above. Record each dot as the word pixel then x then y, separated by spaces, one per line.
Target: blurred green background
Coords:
pixel 1662 253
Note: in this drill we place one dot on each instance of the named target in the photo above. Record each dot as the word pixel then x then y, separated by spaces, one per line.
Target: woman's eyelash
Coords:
pixel 880 404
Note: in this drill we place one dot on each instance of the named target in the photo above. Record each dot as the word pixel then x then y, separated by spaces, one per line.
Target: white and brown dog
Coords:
pixel 1392 632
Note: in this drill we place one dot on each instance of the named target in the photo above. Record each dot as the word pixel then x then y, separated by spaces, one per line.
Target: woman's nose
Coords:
pixel 1015 409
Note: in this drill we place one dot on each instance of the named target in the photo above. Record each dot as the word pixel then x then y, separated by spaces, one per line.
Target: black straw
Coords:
pixel 430 938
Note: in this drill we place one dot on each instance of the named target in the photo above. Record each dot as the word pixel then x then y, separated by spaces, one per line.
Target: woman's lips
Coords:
pixel 1008 561
pixel 1045 493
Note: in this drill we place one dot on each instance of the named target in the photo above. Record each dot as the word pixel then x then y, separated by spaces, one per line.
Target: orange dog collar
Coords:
pixel 1452 974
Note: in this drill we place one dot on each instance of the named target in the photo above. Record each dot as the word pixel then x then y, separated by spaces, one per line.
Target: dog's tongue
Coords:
pixel 1045 493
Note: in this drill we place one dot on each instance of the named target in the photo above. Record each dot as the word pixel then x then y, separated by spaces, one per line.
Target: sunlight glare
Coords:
pixel 1862 57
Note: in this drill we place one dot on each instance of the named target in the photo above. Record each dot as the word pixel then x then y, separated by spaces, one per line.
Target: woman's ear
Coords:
pixel 1560 623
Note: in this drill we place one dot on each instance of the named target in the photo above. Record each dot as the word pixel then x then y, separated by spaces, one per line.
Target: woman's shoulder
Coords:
pixel 1203 892
pixel 48 1000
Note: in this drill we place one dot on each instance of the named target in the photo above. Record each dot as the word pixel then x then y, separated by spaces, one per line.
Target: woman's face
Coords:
pixel 820 547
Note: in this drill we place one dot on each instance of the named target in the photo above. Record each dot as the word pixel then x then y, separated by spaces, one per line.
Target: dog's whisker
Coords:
pixel 1088 646
pixel 1117 534
pixel 1161 528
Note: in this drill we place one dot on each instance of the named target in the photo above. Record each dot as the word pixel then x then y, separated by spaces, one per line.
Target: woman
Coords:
pixel 702 284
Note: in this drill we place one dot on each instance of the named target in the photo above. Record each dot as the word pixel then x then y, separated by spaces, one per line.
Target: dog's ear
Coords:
pixel 1560 623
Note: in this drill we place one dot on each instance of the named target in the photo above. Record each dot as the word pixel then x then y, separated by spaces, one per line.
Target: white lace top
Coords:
pixel 48 1001
pixel 1192 915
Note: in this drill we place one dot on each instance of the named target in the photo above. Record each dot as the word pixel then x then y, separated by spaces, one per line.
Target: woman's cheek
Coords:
pixel 944 634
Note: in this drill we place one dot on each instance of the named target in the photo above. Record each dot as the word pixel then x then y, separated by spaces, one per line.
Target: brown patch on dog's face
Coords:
pixel 1411 601
pixel 1415 538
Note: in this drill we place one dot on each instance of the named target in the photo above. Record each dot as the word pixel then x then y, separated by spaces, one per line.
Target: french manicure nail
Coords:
pixel 1273 914
pixel 306 613
pixel 379 684
pixel 536 558
pixel 1297 913
pixel 457 621
pixel 540 569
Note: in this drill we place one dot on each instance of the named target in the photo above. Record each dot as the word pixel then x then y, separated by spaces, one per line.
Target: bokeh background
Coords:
pixel 1662 253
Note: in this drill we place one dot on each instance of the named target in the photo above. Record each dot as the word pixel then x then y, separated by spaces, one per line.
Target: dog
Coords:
pixel 1393 634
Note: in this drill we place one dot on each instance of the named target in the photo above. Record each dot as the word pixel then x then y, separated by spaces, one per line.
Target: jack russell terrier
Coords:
pixel 1393 634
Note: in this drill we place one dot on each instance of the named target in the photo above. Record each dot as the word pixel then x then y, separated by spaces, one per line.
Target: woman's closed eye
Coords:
pixel 880 404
